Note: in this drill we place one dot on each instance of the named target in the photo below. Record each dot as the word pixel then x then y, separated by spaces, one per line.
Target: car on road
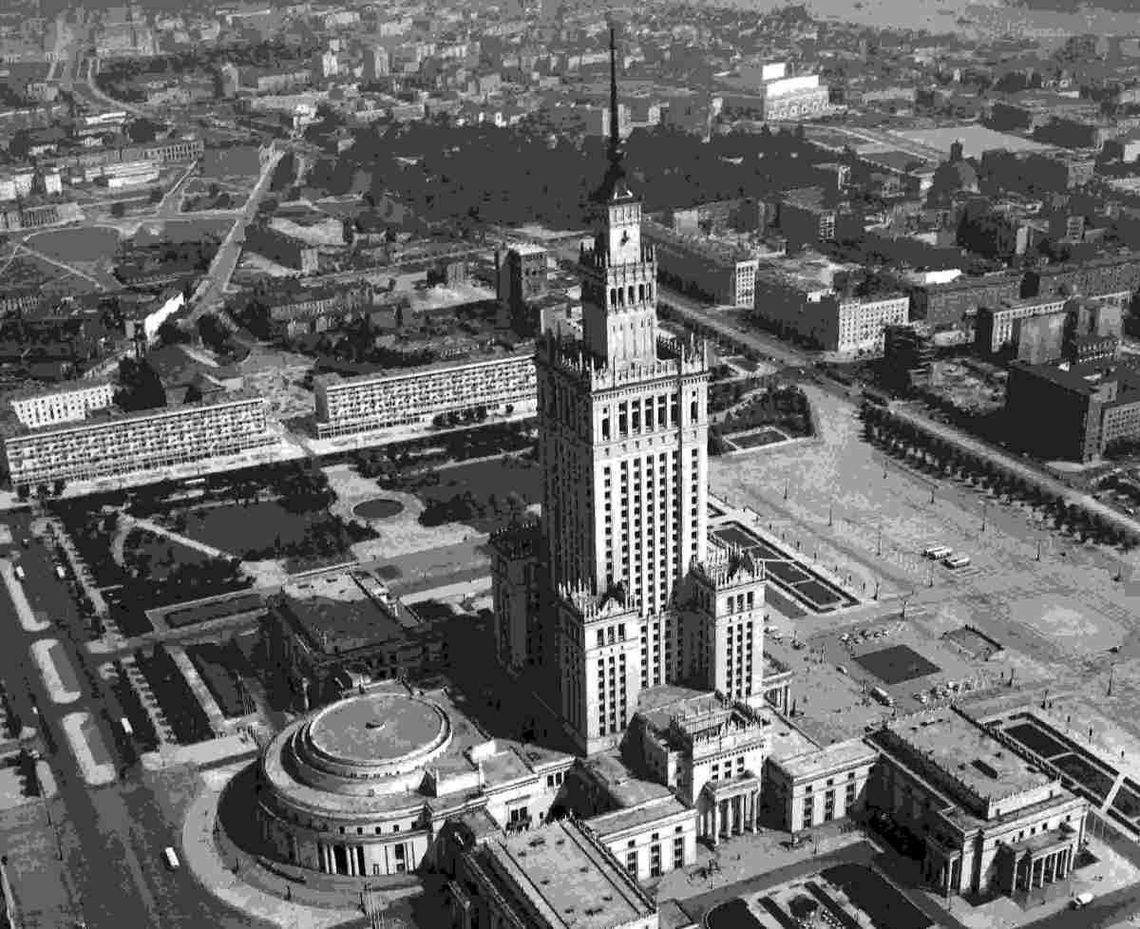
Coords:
pixel 170 857
pixel 1081 900
pixel 921 697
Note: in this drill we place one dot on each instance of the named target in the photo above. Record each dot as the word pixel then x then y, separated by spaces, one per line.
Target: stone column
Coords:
pixel 714 834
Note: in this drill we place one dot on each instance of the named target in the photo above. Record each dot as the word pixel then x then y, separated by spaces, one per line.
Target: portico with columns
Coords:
pixel 729 808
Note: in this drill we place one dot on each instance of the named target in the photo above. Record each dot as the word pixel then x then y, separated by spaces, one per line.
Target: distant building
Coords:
pixel 282 248
pixel 908 356
pixel 985 819
pixel 377 64
pixel 781 97
pixel 522 277
pixel 805 217
pixel 71 403
pixel 718 270
pixel 1089 406
pixel 416 396
pixel 122 445
pixel 953 304
pixel 810 297
pixel 995 327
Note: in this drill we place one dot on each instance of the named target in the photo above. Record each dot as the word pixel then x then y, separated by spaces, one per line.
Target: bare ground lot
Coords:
pixel 1057 618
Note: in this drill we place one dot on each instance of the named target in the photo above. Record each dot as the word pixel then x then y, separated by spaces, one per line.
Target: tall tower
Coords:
pixel 623 425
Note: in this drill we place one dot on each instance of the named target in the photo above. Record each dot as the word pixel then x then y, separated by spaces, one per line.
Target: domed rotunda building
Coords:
pixel 361 787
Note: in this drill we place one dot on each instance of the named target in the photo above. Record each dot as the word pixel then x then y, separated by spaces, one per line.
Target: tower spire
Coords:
pixel 614 186
pixel 615 135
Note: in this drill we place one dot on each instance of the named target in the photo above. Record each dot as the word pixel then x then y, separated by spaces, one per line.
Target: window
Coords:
pixel 679 852
pixel 631 863
pixel 655 860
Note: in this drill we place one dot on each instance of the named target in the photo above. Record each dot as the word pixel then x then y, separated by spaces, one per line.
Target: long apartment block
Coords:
pixel 113 446
pixel 361 404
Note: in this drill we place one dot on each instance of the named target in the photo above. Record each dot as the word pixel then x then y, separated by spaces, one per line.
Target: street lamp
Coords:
pixel 985 511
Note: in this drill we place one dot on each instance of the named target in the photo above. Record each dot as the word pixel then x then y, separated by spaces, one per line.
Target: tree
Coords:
pixel 58 487
pixel 155 195
pixel 118 209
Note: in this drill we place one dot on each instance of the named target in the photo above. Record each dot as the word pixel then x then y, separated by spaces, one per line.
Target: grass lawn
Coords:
pixel 243 529
pixel 480 493
pixel 160 555
pixel 755 439
pixel 63 667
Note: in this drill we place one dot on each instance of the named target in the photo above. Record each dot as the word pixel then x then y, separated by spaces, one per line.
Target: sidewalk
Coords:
pixel 202 856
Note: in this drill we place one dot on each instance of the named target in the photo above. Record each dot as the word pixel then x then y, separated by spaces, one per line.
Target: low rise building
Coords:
pixel 818 786
pixel 346 406
pixel 118 445
pixel 560 875
pixel 322 634
pixel 986 819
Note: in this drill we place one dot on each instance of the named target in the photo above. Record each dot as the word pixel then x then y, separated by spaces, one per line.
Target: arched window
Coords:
pixel 693 411
pixel 613 296
pixel 631 294
pixel 641 292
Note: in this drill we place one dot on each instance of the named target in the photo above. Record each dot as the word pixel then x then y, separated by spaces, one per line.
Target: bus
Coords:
pixel 882 696
pixel 956 561
pixel 937 552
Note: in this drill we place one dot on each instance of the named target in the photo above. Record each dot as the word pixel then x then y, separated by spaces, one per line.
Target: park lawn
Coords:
pixel 488 489
pixel 243 530
pixel 160 555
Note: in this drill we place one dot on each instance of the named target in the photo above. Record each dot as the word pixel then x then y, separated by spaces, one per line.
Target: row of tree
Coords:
pixel 902 439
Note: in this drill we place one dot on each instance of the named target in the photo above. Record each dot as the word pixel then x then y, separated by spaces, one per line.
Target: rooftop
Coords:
pixel 375 727
pixel 967 754
pixel 626 790
pixel 834 757
pixel 569 878
pixel 975 139
pixel 608 824
pixel 336 614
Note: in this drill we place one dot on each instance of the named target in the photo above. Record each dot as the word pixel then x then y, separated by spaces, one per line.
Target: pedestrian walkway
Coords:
pixel 202 856
pixel 158 529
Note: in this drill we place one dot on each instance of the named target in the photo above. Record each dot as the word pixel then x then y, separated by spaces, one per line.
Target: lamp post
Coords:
pixel 985 512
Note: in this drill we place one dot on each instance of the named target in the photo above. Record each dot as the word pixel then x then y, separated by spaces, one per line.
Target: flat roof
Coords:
pixel 335 614
pixel 609 824
pixel 624 788
pixel 375 727
pixel 975 139
pixel 576 882
pixel 835 757
pixel 968 754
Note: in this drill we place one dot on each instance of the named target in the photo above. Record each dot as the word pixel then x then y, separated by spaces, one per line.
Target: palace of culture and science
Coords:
pixel 620 589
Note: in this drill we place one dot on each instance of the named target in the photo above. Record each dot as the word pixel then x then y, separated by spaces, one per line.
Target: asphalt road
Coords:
pixel 112 836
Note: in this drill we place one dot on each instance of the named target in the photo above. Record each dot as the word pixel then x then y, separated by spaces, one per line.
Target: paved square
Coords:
pixel 897 664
